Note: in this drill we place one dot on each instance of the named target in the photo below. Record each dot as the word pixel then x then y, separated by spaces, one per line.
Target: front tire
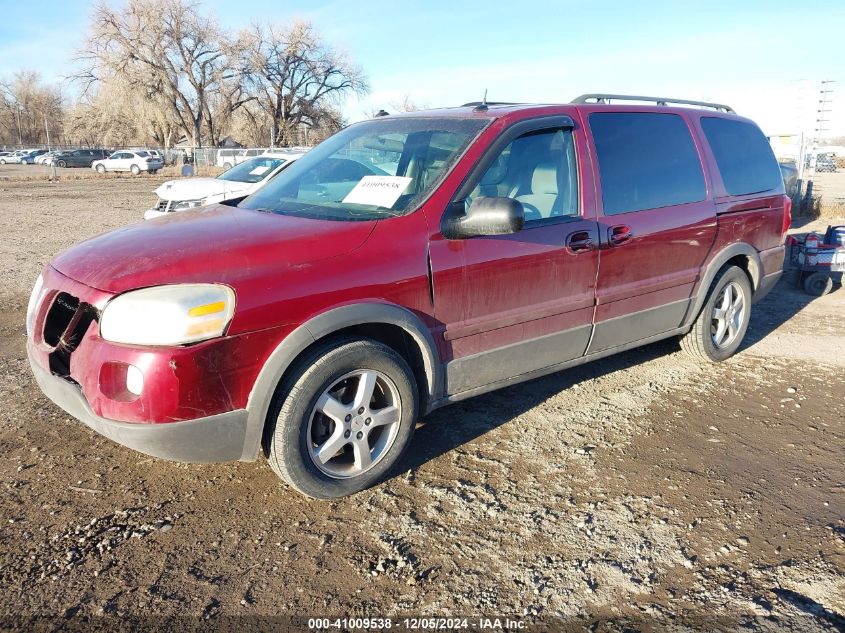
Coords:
pixel 342 419
pixel 721 325
pixel 135 170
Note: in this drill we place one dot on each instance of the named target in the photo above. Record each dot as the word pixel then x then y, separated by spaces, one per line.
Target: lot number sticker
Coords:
pixel 378 191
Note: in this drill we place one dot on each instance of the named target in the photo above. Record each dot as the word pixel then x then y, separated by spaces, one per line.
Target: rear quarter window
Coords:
pixel 743 156
pixel 646 161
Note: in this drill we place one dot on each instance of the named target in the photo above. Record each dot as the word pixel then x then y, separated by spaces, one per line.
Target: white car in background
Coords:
pixel 15 157
pixel 135 161
pixel 237 182
pixel 228 158
pixel 45 159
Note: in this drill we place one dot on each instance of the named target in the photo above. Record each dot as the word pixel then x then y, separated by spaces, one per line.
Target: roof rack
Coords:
pixel 661 101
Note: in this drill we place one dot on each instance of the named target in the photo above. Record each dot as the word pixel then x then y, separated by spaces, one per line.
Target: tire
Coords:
pixel 715 339
pixel 61 163
pixel 818 284
pixel 101 169
pixel 2 162
pixel 334 373
pixel 154 172
pixel 135 170
pixel 227 165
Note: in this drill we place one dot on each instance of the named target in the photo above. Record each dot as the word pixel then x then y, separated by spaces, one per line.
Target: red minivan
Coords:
pixel 408 262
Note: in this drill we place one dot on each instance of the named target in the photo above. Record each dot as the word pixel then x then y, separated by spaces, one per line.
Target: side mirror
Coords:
pixel 485 216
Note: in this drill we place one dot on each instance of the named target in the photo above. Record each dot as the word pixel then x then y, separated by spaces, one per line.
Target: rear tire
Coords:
pixel 342 419
pixel 818 284
pixel 721 325
pixel 101 169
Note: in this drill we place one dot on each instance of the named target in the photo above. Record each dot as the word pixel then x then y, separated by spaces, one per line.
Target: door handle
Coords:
pixel 619 234
pixel 579 242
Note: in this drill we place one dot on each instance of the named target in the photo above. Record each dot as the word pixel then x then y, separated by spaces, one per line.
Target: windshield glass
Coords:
pixel 252 170
pixel 373 169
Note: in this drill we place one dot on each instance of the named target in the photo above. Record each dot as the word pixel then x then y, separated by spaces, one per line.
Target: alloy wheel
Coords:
pixel 728 315
pixel 354 423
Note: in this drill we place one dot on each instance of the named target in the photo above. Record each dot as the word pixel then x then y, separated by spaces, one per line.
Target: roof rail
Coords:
pixel 661 101
pixel 490 103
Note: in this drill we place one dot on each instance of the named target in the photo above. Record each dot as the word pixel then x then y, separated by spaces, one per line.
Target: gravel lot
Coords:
pixel 640 488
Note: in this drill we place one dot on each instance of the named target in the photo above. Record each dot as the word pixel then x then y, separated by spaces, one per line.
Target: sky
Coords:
pixel 765 58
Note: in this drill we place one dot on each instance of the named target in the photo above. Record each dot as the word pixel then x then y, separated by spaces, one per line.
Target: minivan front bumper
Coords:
pixel 215 438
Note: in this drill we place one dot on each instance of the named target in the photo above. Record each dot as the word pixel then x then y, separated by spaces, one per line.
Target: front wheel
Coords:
pixel 343 418
pixel 62 163
pixel 720 327
pixel 135 170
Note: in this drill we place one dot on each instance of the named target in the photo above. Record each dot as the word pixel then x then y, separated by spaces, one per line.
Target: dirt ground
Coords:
pixel 641 490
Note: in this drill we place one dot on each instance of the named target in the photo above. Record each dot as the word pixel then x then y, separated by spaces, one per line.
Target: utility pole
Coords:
pixel 47 130
pixel 821 119
pixel 20 136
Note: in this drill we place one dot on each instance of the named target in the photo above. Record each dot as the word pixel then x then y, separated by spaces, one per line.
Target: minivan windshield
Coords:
pixel 373 169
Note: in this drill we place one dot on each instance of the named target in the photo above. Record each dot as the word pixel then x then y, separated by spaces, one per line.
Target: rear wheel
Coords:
pixel 721 325
pixel 342 419
pixel 227 165
pixel 135 170
pixel 101 169
pixel 818 284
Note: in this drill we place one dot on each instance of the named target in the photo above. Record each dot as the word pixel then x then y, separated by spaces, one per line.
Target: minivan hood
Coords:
pixel 213 244
pixel 199 188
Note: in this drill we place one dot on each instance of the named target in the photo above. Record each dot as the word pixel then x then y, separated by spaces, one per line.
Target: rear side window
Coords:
pixel 646 160
pixel 743 155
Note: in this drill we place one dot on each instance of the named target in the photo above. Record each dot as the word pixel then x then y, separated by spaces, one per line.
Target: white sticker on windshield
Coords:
pixel 259 170
pixel 378 191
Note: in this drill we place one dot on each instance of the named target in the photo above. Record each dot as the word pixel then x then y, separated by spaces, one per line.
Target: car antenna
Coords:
pixel 481 107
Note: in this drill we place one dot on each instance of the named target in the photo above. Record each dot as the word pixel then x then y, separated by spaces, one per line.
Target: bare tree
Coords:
pixel 407 105
pixel 28 109
pixel 164 49
pixel 295 77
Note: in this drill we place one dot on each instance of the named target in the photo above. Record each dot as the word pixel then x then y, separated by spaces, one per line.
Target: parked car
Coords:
pixel 80 157
pixel 237 182
pixel 45 158
pixel 226 157
pixel 132 161
pixel 826 163
pixel 789 172
pixel 322 316
pixel 29 158
pixel 15 157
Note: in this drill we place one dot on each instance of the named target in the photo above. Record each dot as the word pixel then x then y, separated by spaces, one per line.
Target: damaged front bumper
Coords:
pixel 215 438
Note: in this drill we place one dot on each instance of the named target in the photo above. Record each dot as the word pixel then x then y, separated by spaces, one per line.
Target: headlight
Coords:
pixel 168 315
pixel 187 204
pixel 34 299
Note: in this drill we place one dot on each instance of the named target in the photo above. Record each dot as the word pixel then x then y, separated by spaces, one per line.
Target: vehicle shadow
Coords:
pixel 779 306
pixel 455 425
